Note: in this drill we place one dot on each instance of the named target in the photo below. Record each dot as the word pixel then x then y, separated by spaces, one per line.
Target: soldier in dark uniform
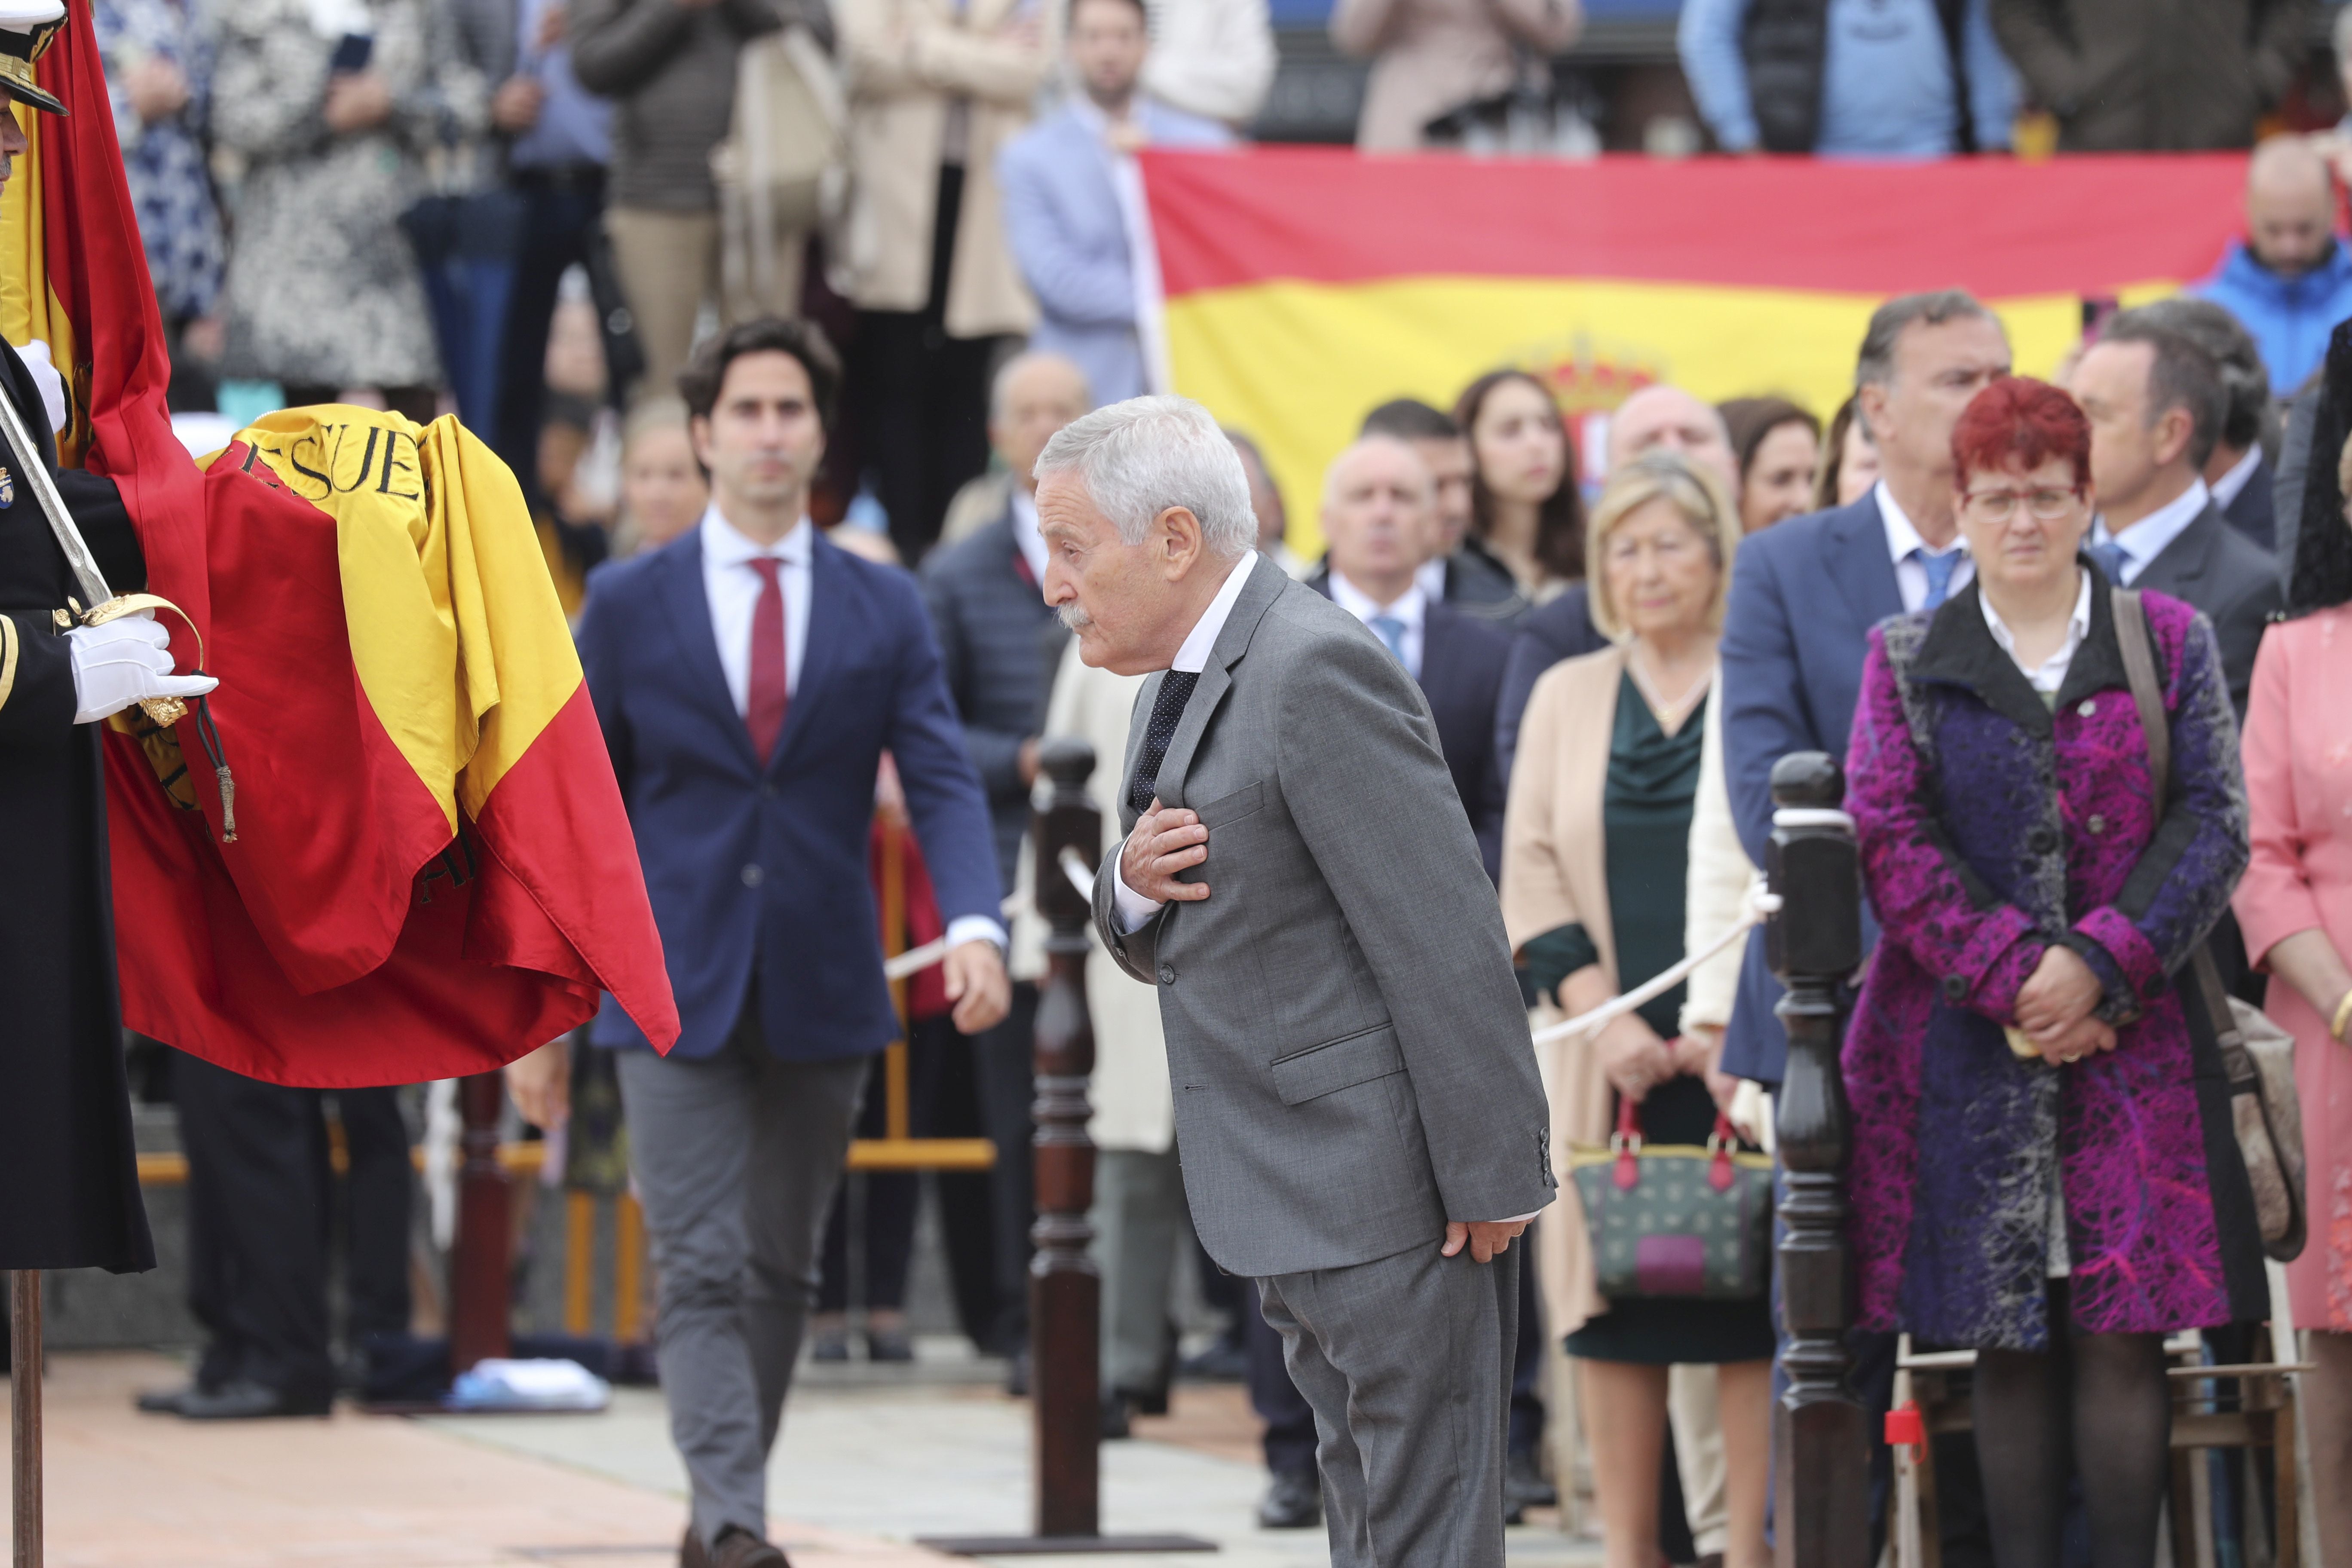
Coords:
pixel 68 1184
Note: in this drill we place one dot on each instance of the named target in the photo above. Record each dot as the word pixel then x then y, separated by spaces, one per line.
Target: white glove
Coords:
pixel 126 661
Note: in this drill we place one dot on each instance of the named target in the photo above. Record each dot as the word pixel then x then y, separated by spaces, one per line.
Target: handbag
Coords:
pixel 2257 1056
pixel 1675 1219
pixel 782 168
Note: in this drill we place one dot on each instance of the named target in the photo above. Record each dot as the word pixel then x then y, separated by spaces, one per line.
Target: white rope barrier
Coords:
pixel 1760 905
pixel 914 960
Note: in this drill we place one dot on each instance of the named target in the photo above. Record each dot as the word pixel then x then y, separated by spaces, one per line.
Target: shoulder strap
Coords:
pixel 2139 667
pixel 2147 692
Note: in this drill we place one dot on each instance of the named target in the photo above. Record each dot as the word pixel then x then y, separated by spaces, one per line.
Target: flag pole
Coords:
pixel 24 1412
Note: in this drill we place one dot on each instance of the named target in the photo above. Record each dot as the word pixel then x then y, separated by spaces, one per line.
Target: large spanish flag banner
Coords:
pixel 391 846
pixel 1303 286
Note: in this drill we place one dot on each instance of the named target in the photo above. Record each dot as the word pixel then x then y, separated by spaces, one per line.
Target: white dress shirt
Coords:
pixel 731 586
pixel 1432 578
pixel 1025 532
pixel 1133 907
pixel 2145 539
pixel 1902 539
pixel 2050 673
pixel 1411 609
pixel 2227 487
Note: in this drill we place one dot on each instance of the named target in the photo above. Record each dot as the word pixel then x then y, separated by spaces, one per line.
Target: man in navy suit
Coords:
pixel 1379 525
pixel 749 677
pixel 1073 200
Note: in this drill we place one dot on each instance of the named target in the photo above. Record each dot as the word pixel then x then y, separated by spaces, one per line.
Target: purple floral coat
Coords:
pixel 1991 827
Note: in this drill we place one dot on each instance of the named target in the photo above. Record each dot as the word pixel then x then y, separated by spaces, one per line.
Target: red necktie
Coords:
pixel 768 696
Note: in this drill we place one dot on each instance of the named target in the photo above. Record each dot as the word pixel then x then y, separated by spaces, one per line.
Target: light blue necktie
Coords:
pixel 2111 558
pixel 1939 569
pixel 1390 631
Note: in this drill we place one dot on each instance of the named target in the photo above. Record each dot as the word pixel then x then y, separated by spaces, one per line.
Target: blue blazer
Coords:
pixel 762 872
pixel 1062 219
pixel 1804 594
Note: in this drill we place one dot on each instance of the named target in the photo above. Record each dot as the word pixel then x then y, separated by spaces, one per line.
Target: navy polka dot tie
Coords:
pixel 1167 711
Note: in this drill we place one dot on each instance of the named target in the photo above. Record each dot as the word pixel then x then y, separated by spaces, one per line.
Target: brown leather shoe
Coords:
pixel 739 1548
pixel 690 1553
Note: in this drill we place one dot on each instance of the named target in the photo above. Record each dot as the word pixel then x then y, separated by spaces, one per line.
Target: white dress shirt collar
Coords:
pixel 1194 653
pixel 733 591
pixel 2050 674
pixel 1432 578
pixel 2227 489
pixel 1410 608
pixel 2145 539
pixel 1902 539
pixel 1025 533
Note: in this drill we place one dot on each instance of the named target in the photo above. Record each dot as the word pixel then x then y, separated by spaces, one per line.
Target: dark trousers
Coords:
pixel 560 215
pixel 920 397
pixel 1008 1088
pixel 261 1208
pixel 942 1101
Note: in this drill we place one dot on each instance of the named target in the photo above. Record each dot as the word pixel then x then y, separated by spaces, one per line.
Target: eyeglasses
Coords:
pixel 1999 506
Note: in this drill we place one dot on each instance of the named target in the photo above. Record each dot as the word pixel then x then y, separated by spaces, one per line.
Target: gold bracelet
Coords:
pixel 2343 1016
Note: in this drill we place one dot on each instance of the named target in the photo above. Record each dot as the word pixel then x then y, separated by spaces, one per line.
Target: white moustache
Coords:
pixel 1074 616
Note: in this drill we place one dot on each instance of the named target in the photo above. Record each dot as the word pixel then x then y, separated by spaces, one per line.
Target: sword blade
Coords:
pixel 53 506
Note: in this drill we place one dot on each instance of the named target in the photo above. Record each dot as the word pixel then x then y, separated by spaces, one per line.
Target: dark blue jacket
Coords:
pixel 2290 318
pixel 1804 594
pixel 762 872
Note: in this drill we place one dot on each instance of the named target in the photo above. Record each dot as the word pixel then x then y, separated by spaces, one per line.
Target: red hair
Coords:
pixel 2023 422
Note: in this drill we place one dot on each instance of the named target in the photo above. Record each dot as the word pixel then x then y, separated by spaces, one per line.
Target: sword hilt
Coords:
pixel 165 711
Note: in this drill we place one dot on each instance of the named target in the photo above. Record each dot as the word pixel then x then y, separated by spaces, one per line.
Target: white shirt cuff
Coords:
pixel 976 928
pixel 1515 1219
pixel 1131 907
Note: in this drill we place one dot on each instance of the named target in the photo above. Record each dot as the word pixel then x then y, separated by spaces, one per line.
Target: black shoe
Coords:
pixel 1016 1374
pixel 165 1401
pixel 1292 1501
pixel 832 1344
pixel 1118 1412
pixel 889 1345
pixel 1523 1482
pixel 245 1400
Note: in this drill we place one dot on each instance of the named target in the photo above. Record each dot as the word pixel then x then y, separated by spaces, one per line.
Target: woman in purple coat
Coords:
pixel 2044 1166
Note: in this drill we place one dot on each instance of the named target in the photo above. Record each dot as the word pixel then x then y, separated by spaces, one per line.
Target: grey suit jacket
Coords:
pixel 1350 1057
pixel 2233 580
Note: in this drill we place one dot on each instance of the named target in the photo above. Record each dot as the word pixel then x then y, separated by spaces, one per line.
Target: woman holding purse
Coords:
pixel 2033 1097
pixel 1594 844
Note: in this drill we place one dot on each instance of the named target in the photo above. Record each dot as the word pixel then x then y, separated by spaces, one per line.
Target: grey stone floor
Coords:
pixel 940 1455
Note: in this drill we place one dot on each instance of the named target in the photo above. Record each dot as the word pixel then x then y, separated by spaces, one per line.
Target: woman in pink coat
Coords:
pixel 2296 906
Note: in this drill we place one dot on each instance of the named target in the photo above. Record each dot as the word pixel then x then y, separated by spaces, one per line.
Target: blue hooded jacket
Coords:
pixel 2290 318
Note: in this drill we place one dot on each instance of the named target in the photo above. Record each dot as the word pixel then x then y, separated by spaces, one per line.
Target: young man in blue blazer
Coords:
pixel 749 677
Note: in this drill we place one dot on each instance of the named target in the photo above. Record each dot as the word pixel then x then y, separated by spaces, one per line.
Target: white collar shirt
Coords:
pixel 1902 539
pixel 2148 538
pixel 1025 533
pixel 1432 578
pixel 1193 654
pixel 2050 674
pixel 2230 486
pixel 730 584
pixel 1411 609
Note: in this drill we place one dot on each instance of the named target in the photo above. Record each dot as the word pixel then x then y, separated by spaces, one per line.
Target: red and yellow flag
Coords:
pixel 1303 286
pixel 432 871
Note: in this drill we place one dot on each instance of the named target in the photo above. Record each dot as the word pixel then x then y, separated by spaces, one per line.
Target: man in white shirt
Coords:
pixel 2156 404
pixel 749 677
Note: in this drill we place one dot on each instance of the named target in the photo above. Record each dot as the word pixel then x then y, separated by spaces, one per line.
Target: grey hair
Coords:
pixel 1362 444
pixel 1138 458
pixel 1874 365
pixel 1001 383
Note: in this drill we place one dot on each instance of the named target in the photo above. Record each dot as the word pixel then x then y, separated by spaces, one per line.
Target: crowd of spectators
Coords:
pixel 429 206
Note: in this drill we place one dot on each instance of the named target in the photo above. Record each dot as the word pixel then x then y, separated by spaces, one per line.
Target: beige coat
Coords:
pixel 1135 1106
pixel 906 60
pixel 1718 887
pixel 1555 871
pixel 1434 56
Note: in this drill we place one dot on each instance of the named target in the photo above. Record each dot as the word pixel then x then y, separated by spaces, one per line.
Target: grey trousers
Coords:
pixel 1407 1361
pixel 736 1158
pixel 1138 1218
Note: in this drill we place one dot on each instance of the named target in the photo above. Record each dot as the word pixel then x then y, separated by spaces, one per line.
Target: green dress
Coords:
pixel 1646 817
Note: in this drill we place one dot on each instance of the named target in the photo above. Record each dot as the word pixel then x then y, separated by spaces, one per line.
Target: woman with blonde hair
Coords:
pixel 663 492
pixel 1594 845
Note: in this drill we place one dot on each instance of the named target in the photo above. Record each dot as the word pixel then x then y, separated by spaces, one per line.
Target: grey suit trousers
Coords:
pixel 1407 1361
pixel 736 1158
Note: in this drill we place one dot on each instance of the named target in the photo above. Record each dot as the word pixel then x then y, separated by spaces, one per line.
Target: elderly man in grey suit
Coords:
pixel 1358 1111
